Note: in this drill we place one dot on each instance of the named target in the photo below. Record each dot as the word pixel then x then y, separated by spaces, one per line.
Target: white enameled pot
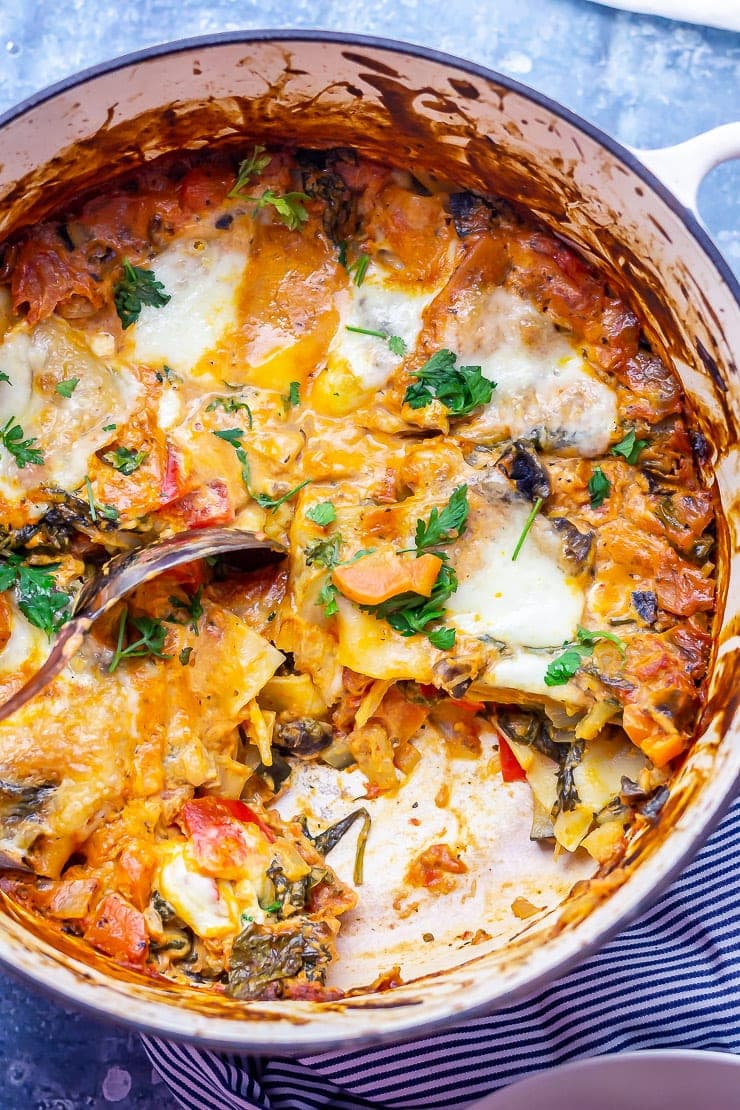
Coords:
pixel 420 109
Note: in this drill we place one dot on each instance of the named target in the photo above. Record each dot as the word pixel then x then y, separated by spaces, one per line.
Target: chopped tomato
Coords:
pixel 206 507
pixel 215 827
pixel 510 768
pixel 119 930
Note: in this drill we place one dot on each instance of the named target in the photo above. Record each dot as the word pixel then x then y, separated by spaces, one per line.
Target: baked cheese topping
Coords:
pixel 496 543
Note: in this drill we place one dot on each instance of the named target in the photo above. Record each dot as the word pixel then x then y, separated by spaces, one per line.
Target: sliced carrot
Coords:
pixel 660 747
pixel 376 578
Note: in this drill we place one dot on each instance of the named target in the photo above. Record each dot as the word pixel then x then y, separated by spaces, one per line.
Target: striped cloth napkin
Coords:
pixel 671 980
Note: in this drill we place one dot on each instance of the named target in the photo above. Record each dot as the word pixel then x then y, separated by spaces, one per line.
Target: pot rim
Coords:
pixel 407 1029
pixel 396 46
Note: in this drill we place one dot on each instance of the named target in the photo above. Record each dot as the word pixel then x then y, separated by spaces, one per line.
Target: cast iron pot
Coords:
pixel 417 108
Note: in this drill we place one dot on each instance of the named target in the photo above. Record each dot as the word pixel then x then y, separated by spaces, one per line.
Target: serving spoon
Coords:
pixel 121 575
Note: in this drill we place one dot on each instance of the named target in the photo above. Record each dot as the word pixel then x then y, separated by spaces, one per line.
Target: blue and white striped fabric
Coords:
pixel 671 980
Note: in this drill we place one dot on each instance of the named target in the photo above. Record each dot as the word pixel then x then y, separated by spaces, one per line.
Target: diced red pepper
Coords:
pixel 214 826
pixel 468 706
pixel 511 771
pixel 119 930
pixel 171 487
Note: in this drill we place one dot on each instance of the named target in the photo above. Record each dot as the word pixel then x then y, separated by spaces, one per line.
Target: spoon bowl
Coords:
pixel 122 574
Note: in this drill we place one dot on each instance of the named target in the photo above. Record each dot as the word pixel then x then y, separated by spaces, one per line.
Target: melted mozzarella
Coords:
pixel 67 430
pixel 26 645
pixel 544 389
pixel 207 905
pixel 379 304
pixel 529 602
pixel 202 280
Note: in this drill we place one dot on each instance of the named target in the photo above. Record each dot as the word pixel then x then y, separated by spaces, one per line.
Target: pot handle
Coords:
pixel 684 166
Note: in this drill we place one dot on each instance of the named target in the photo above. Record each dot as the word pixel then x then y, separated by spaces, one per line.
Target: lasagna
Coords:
pixel 495 532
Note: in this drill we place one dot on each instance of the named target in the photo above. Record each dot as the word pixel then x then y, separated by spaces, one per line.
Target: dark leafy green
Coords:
pixel 568 796
pixel 444 525
pixel 562 669
pixel 322 514
pixel 630 447
pixel 125 460
pixel 22 450
pixel 262 958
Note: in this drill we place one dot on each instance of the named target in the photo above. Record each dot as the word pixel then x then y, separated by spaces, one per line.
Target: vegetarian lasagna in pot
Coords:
pixel 498 548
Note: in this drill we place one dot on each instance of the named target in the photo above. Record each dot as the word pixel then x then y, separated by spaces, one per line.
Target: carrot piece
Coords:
pixel 119 930
pixel 660 747
pixel 376 578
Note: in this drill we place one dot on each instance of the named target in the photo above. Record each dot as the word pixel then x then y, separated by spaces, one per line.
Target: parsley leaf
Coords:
pixel 22 450
pixel 410 613
pixel 137 287
pixel 234 437
pixel 442 524
pixel 328 598
pixel 630 448
pixel 109 427
pixel 192 607
pixel 293 396
pixel 67 388
pixel 150 642
pixel 124 460
pixel 39 600
pixel 322 514
pixel 527 525
pixel 562 669
pixel 252 166
pixel 459 388
pixel 184 655
pixel 230 404
pixel 107 511
pixel 396 344
pixel 599 487
pixel 442 638
pixel 5 377
pixel 358 269
pixel 274 503
pixel 288 207
pixel 324 553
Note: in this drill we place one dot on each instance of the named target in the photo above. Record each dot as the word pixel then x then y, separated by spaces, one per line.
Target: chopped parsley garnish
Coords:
pixel 252 166
pixel 444 526
pixel 184 655
pixel 137 287
pixel 630 448
pixel 322 514
pixel 107 511
pixel 124 460
pixel 5 377
pixel 410 613
pixel 22 450
pixel 324 553
pixel 527 525
pixel 442 638
pixel 67 388
pixel 293 396
pixel 234 437
pixel 288 206
pixel 274 503
pixel 328 598
pixel 109 427
pixel 230 404
pixel 562 669
pixel 192 608
pixel 396 344
pixel 459 388
pixel 150 642
pixel 599 487
pixel 39 600
pixel 358 269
